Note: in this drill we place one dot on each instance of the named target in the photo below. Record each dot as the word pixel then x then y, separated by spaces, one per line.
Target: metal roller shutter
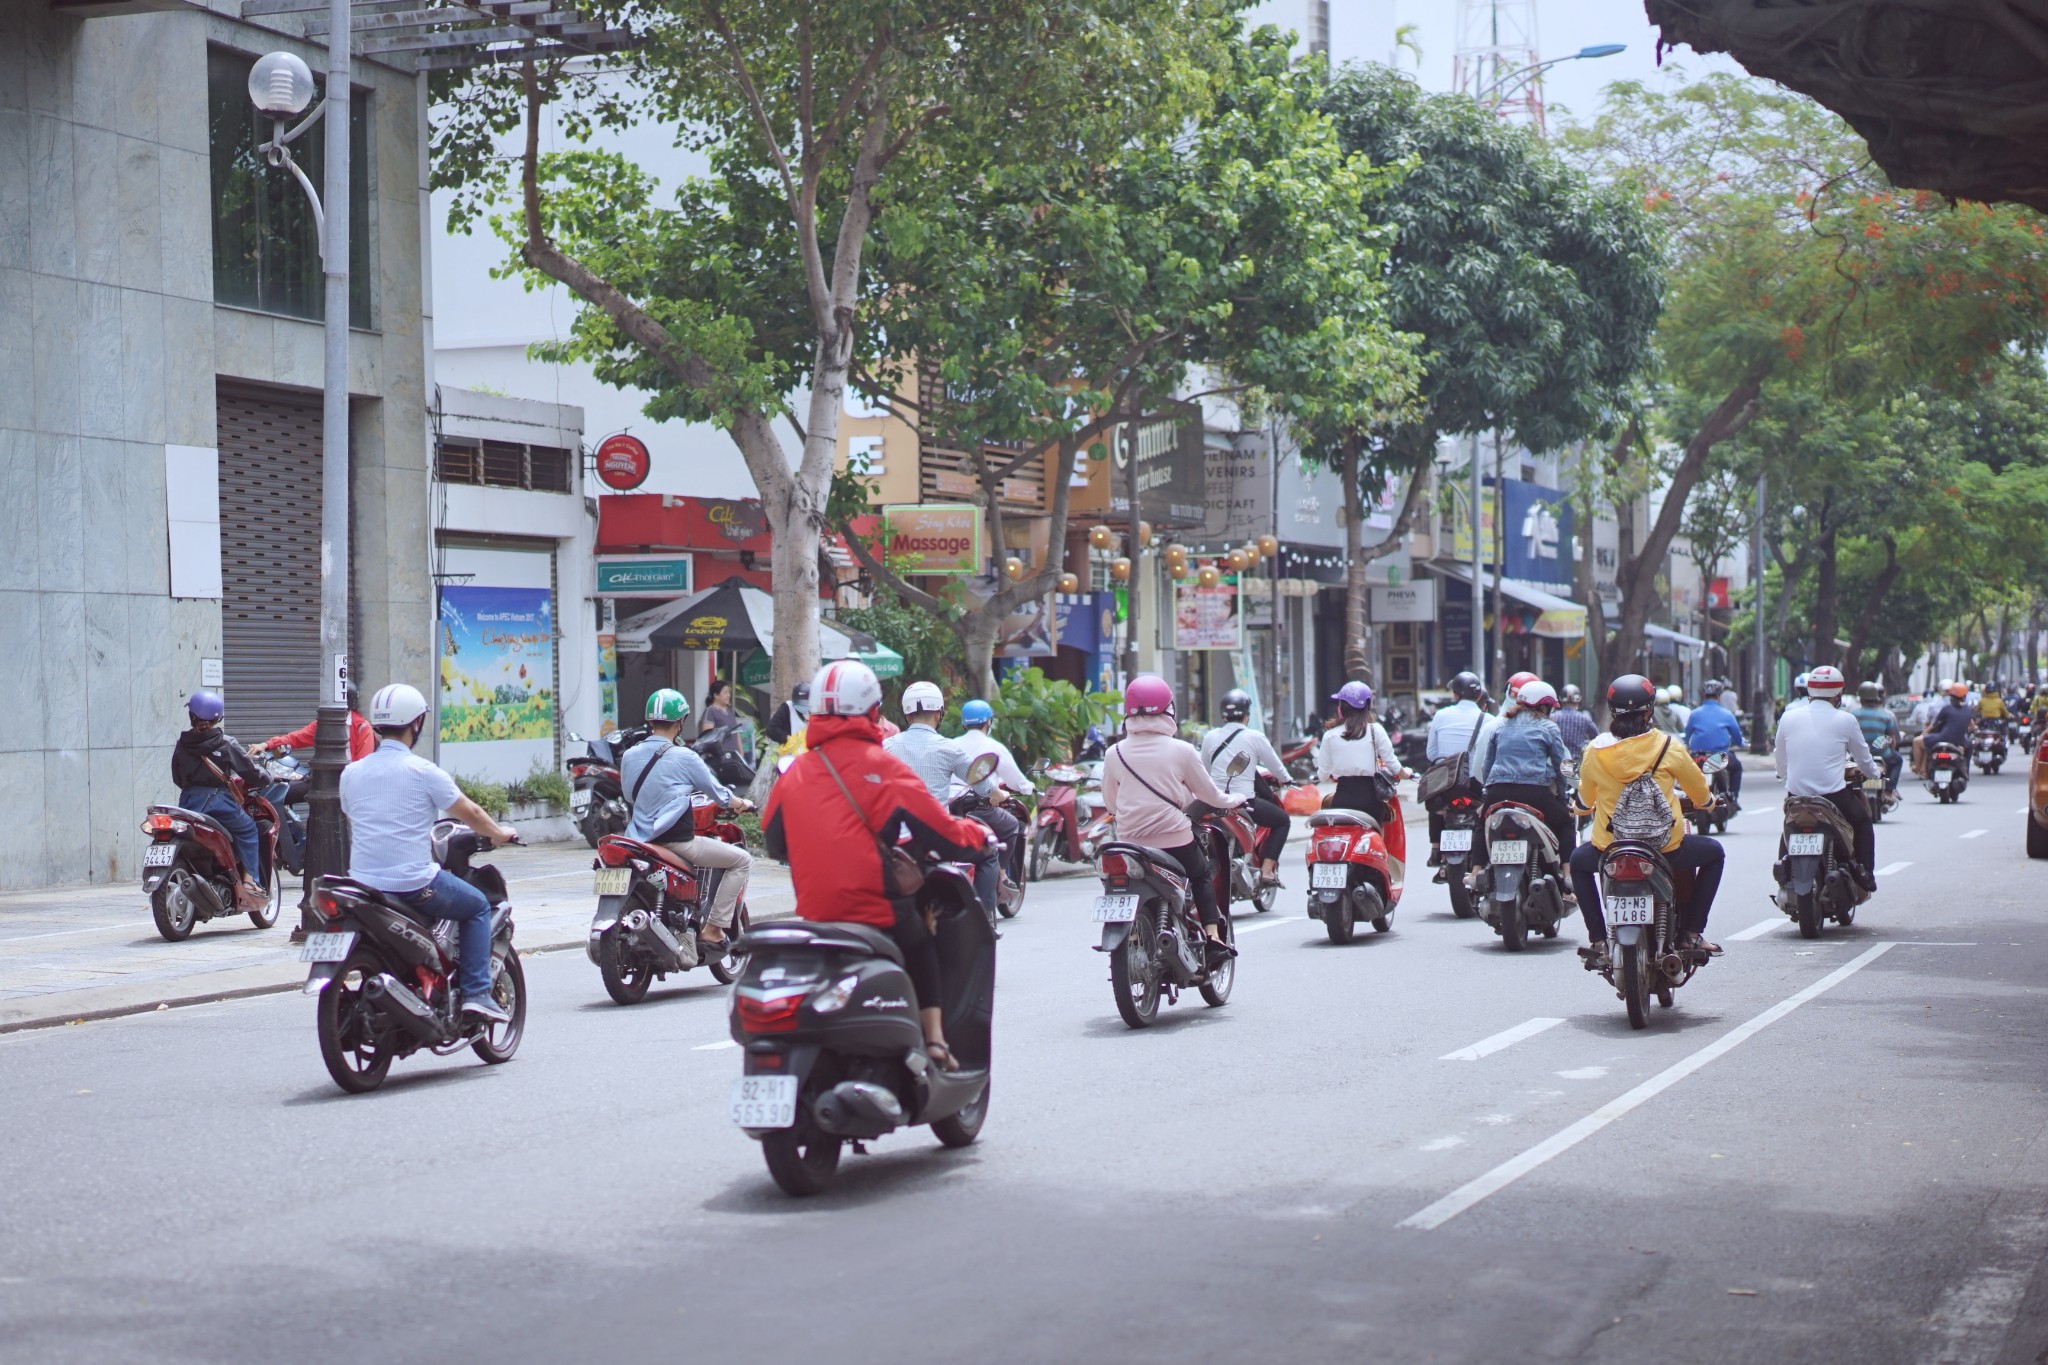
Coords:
pixel 270 560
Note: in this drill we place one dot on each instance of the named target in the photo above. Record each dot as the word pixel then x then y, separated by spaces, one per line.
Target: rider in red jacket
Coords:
pixel 833 849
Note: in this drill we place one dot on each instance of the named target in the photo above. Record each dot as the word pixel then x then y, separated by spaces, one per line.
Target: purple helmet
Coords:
pixel 204 705
pixel 1355 695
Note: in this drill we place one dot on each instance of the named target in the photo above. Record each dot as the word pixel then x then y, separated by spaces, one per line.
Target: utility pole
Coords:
pixel 1128 438
pixel 1500 558
pixel 1478 571
pixel 1762 693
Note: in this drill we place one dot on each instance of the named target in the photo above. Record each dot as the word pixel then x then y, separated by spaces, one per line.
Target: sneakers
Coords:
pixel 485 1008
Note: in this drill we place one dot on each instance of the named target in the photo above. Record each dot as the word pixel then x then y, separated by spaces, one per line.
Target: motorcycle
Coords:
pixel 1522 882
pixel 1351 877
pixel 1987 749
pixel 1879 794
pixel 1152 930
pixel 1640 900
pixel 969 805
pixel 597 801
pixel 1300 756
pixel 725 763
pixel 386 975
pixel 1231 841
pixel 1056 829
pixel 1715 767
pixel 834 1050
pixel 190 872
pixel 1816 867
pixel 1454 850
pixel 1948 772
pixel 651 903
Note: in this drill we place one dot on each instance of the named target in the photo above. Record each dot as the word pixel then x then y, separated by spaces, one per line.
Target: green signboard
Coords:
pixel 643 575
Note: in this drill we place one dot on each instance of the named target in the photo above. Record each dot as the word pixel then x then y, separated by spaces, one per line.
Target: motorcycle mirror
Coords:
pixel 1239 764
pixel 575 738
pixel 979 769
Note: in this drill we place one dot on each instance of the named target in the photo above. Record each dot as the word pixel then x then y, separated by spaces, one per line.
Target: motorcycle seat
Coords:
pixel 658 852
pixel 351 887
pixel 1145 851
pixel 843 935
pixel 1342 817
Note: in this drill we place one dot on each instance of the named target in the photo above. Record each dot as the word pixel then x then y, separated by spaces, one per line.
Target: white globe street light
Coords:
pixel 281 85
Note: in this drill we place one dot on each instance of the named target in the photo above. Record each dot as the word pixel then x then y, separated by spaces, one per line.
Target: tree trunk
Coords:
pixel 1865 619
pixel 1498 655
pixel 1638 570
pixel 1356 655
pixel 1824 594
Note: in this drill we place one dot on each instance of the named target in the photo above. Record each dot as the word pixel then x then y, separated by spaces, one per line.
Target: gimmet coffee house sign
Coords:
pixel 1173 479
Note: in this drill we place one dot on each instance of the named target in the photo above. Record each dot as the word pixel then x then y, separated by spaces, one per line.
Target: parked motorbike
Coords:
pixel 1350 875
pixel 1987 749
pixel 1948 772
pixel 1816 867
pixel 651 905
pixel 1056 829
pixel 1639 898
pixel 1521 885
pixel 1454 850
pixel 597 802
pixel 726 764
pixel 1300 755
pixel 190 872
pixel 386 974
pixel 1715 767
pixel 1879 794
pixel 834 1050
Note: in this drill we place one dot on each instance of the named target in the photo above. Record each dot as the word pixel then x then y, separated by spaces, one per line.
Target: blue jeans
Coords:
pixel 220 803
pixel 1703 855
pixel 450 897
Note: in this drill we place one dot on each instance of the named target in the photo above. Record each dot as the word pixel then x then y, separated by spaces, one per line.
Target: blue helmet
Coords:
pixel 976 712
pixel 205 705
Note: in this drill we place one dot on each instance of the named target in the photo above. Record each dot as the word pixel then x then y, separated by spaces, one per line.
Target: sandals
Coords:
pixel 941 1056
pixel 1700 942
pixel 1595 958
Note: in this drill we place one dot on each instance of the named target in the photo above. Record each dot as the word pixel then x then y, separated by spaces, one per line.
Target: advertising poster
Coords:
pixel 1205 618
pixel 497 652
pixel 608 681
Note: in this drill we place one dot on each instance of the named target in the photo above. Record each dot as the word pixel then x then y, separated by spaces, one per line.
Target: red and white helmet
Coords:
pixel 1148 695
pixel 1536 694
pixel 1518 681
pixel 845 687
pixel 1825 682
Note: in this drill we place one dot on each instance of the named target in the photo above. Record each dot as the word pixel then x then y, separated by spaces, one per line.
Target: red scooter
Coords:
pixel 1356 870
pixel 651 904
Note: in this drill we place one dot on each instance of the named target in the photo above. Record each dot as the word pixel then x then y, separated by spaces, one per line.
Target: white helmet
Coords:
pixel 1663 696
pixel 1825 682
pixel 923 696
pixel 397 705
pixel 845 687
pixel 1536 695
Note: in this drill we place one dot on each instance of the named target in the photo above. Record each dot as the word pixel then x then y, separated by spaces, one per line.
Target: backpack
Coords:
pixel 1642 813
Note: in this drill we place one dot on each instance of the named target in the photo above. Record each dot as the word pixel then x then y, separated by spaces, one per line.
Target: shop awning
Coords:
pixel 1556 618
pixel 735 616
pixel 1671 640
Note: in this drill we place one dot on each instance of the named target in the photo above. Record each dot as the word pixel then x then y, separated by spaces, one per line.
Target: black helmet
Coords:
pixel 801 693
pixel 1870 694
pixel 1237 704
pixel 1467 687
pixel 1711 687
pixel 1631 694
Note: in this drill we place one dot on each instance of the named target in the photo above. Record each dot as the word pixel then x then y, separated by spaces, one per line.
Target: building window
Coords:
pixel 503 464
pixel 266 248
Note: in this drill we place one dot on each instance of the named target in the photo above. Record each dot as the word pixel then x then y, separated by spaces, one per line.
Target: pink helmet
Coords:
pixel 1148 695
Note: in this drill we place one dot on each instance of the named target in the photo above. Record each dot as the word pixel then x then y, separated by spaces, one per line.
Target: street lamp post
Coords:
pixel 1494 95
pixel 281 85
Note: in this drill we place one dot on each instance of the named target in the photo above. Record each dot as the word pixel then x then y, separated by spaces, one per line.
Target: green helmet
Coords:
pixel 667 705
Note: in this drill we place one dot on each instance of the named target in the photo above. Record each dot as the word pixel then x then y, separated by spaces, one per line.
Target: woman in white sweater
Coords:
pixel 1354 751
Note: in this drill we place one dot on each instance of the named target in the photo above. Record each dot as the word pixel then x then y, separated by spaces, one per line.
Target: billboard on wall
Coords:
pixel 1172 463
pixel 1539 534
pixel 945 537
pixel 1239 481
pixel 1205 618
pixel 497 664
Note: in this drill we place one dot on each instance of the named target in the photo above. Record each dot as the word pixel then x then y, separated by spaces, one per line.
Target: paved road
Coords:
pixel 1859 1178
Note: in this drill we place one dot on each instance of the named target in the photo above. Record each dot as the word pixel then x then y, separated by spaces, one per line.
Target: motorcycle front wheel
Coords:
pixel 347 1044
pixel 726 968
pixel 500 1041
pixel 1216 989
pixel 1134 971
pixel 1040 855
pixel 272 907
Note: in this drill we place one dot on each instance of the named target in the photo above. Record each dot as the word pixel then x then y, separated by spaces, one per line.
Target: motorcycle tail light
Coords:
pixel 1461 803
pixel 611 854
pixel 1333 850
pixel 328 904
pixel 1119 865
pixel 770 1014
pixel 1628 867
pixel 161 824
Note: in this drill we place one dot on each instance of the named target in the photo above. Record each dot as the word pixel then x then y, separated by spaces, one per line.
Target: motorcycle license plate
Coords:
pixel 159 855
pixel 1456 841
pixel 327 947
pixel 614 881
pixel 1115 909
pixel 579 801
pixel 1632 910
pixel 1942 777
pixel 1332 875
pixel 764 1102
pixel 1805 845
pixel 1509 851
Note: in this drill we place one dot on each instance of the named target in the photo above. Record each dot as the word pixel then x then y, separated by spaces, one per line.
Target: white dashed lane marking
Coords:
pixel 1505 1038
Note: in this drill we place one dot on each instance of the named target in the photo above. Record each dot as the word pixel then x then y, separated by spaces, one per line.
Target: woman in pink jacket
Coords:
pixel 1149 777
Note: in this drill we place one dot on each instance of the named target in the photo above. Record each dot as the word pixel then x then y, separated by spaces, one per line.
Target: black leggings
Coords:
pixel 920 954
pixel 1196 864
pixel 1359 793
pixel 1273 825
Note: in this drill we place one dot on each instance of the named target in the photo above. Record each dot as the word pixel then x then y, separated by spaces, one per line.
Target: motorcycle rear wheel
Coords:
pixel 1337 921
pixel 958 1130
pixel 1461 894
pixel 353 1059
pixel 1040 856
pixel 626 982
pixel 171 906
pixel 1010 901
pixel 726 968
pixel 1134 971
pixel 1514 927
pixel 802 1160
pixel 1633 969
pixel 1809 914
pixel 500 1041
pixel 272 907
pixel 1216 989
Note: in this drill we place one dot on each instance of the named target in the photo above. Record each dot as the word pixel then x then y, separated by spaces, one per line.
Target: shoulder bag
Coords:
pixel 902 878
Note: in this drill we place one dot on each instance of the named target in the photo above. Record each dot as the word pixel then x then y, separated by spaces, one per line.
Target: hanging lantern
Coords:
pixel 1120 569
pixel 1176 560
pixel 1069 583
pixel 1013 569
pixel 1238 560
pixel 1144 533
pixel 1253 552
pixel 1101 537
pixel 1269 545
pixel 1209 576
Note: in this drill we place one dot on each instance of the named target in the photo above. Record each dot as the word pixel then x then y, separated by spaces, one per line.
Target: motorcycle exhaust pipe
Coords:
pixel 1672 965
pixel 202 890
pixel 650 933
pixel 398 1001
pixel 858 1109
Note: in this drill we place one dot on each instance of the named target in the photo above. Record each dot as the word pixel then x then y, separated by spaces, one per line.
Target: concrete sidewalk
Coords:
pixel 92 952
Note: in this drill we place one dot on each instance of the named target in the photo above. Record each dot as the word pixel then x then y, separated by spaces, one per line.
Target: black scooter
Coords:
pixel 834 1047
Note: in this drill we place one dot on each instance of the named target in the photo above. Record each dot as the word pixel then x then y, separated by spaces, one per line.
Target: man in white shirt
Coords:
pixel 1222 745
pixel 392 798
pixel 1816 743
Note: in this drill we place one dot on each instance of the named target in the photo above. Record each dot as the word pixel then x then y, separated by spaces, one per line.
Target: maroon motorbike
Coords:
pixel 190 871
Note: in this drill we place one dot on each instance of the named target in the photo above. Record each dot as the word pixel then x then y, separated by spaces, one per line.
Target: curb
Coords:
pixel 65 1019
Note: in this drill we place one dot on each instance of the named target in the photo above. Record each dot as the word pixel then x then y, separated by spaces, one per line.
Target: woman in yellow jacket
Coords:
pixel 1630 750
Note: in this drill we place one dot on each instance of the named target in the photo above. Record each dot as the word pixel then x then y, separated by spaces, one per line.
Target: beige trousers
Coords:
pixel 736 863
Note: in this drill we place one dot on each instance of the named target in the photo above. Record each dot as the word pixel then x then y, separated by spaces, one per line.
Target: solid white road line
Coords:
pixel 1974 834
pixel 1757 930
pixel 1890 868
pixel 714 1047
pixel 65 933
pixel 1528 1028
pixel 1513 1169
pixel 1269 923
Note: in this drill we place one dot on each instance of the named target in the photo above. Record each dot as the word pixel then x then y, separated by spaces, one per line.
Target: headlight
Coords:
pixel 834 996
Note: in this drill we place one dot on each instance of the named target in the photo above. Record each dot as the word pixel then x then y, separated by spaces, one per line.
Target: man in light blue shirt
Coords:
pixel 1455 728
pixel 1713 729
pixel 660 776
pixel 392 799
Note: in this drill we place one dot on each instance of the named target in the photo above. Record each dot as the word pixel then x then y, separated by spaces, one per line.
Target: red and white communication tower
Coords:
pixel 1496 41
